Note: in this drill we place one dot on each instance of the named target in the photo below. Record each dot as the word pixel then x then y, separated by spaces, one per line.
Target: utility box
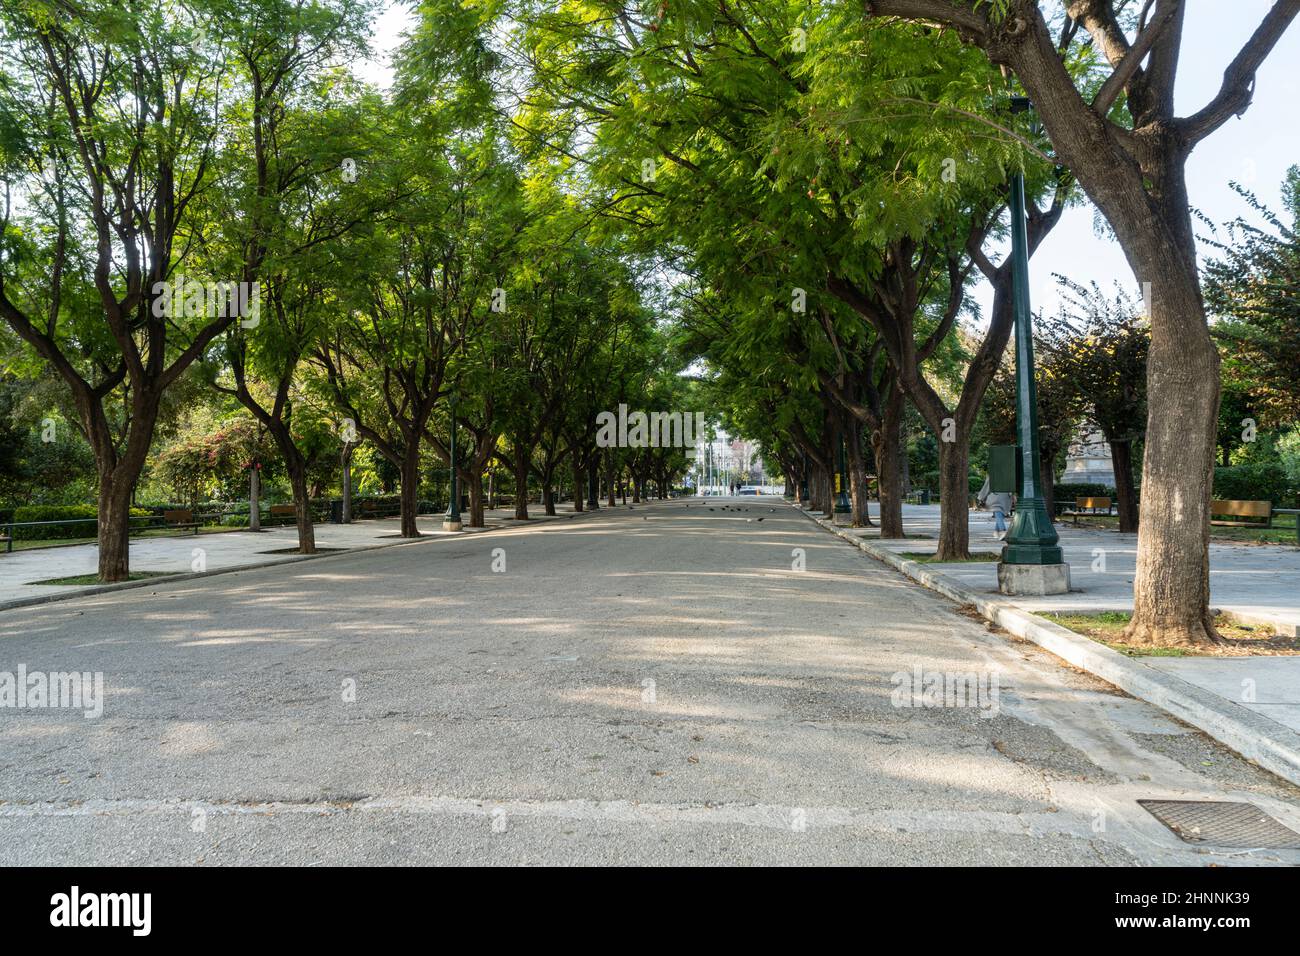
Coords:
pixel 1005 469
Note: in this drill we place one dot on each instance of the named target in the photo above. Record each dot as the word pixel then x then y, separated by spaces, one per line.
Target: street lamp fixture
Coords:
pixel 842 504
pixel 1032 562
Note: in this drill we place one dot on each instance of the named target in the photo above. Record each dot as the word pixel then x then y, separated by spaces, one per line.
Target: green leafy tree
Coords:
pixel 111 126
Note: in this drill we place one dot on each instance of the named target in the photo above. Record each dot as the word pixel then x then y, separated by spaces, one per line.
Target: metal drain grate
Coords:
pixel 1221 823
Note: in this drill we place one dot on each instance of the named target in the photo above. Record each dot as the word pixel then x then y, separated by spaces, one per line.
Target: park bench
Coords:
pixel 1243 512
pixel 1087 506
pixel 1291 511
pixel 180 518
pixel 283 513
pixel 376 509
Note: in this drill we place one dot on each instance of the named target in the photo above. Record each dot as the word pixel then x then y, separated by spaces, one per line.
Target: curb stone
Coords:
pixel 1267 743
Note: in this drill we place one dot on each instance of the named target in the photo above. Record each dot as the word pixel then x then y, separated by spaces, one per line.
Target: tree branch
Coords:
pixel 1238 87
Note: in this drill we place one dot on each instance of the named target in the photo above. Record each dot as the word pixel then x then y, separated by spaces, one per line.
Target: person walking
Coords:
pixel 1001 504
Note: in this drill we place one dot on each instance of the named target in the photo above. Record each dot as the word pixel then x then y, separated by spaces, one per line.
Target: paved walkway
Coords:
pixel 669 684
pixel 1256 583
pixel 213 552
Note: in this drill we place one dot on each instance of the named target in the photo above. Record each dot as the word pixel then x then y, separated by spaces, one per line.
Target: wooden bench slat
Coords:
pixel 1241 509
pixel 1086 506
pixel 1232 508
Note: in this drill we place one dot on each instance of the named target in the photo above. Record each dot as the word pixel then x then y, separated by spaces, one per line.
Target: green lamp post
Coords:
pixel 451 520
pixel 842 504
pixel 593 492
pixel 1032 562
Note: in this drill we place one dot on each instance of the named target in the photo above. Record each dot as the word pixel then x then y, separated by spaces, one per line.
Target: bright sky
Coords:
pixel 1254 150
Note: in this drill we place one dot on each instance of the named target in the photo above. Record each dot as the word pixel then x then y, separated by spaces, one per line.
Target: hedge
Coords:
pixel 86 528
pixel 1263 481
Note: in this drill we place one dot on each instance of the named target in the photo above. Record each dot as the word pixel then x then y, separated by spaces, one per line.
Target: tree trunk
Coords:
pixel 1171 591
pixel 890 461
pixel 548 498
pixel 954 504
pixel 609 480
pixel 521 483
pixel 254 498
pixel 302 505
pixel 410 488
pixel 475 485
pixel 114 527
pixel 1121 459
pixel 579 483
pixel 593 481
pixel 859 493
pixel 821 490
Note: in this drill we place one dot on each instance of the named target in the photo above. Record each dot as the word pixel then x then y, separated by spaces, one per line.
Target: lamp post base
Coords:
pixel 1033 579
pixel 450 524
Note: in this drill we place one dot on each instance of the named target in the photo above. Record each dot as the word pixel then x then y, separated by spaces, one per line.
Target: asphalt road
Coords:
pixel 657 685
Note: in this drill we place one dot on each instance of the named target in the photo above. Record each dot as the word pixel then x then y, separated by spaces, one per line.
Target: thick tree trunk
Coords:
pixel 890 461
pixel 548 498
pixel 114 527
pixel 954 500
pixel 1121 459
pixel 475 486
pixel 859 492
pixel 1171 591
pixel 821 490
pixel 410 489
pixel 301 505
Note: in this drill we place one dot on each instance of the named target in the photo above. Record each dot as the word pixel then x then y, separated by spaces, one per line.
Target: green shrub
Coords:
pixel 86 518
pixel 82 529
pixel 1262 481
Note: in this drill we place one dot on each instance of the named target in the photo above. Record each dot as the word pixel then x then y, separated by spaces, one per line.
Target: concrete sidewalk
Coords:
pixel 216 552
pixel 1252 583
pixel 1255 583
